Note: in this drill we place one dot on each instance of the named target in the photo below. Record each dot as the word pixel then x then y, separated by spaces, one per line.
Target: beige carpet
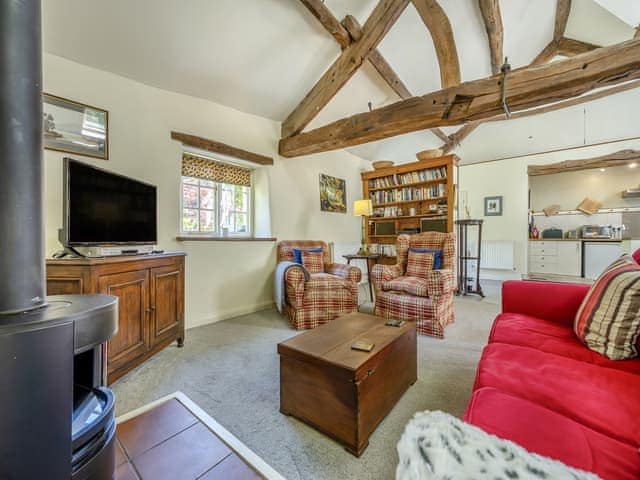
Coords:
pixel 230 369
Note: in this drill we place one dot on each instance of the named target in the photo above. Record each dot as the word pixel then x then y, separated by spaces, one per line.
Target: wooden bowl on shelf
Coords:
pixel 382 164
pixel 429 154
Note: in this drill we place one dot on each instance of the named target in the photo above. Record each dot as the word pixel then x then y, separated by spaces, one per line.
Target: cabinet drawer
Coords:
pixel 543 248
pixel 550 258
pixel 543 267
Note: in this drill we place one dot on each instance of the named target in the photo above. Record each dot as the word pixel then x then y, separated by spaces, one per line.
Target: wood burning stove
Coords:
pixel 57 418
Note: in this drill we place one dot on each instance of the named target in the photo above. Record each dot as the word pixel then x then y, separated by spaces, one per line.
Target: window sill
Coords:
pixel 211 238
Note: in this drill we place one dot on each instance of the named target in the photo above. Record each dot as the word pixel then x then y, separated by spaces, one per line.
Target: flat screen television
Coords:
pixel 104 208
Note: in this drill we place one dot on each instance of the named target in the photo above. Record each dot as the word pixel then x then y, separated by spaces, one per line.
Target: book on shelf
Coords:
pixel 408 194
pixel 395 211
pixel 399 179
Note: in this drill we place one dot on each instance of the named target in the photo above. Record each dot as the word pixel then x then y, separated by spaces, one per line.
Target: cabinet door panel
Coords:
pixel 570 258
pixel 166 302
pixel 132 339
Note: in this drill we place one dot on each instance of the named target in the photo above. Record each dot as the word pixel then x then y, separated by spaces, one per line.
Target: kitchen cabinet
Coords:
pixel 598 256
pixel 570 258
pixel 555 257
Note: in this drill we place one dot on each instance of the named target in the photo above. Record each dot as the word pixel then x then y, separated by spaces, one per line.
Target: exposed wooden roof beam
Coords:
pixel 492 18
pixel 462 133
pixel 622 157
pixel 590 97
pixel 547 53
pixel 220 148
pixel 377 25
pixel 563 8
pixel 493 24
pixel 456 138
pixel 328 21
pixel 438 24
pixel 476 100
pixel 441 135
pixel 570 47
pixel 383 68
pixel 352 26
pixel 377 60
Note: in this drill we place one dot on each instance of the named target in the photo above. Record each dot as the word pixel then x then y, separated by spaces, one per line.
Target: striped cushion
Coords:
pixel 420 264
pixel 608 320
pixel 312 261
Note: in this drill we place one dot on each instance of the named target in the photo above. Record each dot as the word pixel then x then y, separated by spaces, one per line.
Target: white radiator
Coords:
pixel 497 255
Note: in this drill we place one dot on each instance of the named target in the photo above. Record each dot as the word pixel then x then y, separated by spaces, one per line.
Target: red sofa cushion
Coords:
pixel 548 433
pixel 551 337
pixel 558 302
pixel 603 399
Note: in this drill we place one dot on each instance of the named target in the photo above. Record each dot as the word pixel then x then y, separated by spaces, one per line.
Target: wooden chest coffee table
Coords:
pixel 342 392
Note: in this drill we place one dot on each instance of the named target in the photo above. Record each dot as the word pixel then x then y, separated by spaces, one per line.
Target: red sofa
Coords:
pixel 540 387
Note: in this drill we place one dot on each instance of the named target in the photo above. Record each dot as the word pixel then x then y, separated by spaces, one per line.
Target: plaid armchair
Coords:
pixel 428 302
pixel 325 295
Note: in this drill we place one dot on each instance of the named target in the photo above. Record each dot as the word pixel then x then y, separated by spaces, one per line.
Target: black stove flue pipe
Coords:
pixel 22 285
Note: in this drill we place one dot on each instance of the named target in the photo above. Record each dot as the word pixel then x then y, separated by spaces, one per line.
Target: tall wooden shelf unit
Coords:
pixel 426 186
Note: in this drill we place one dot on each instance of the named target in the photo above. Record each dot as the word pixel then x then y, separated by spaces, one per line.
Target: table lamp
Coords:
pixel 363 208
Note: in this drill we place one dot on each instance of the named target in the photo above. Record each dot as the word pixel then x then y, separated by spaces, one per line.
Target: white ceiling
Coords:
pixel 262 56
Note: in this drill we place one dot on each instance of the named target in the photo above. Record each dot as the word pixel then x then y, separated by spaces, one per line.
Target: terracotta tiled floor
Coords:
pixel 169 442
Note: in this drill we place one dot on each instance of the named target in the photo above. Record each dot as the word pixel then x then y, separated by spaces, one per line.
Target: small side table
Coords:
pixel 373 257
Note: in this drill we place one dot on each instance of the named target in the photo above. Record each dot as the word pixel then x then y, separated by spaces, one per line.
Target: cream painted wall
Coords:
pixel 509 178
pixel 223 279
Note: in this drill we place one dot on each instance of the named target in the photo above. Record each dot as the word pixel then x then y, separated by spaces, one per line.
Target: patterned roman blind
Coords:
pixel 207 169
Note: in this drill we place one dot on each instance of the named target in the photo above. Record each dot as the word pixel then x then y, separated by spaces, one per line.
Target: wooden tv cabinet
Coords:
pixel 150 289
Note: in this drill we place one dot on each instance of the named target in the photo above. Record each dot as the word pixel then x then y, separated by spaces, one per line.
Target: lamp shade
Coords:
pixel 362 207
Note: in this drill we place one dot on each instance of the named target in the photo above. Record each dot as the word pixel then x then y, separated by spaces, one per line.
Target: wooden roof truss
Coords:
pixel 539 87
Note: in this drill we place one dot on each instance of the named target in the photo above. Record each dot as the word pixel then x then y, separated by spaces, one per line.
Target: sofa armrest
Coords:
pixel 441 282
pixel 556 302
pixel 344 271
pixel 294 281
pixel 384 273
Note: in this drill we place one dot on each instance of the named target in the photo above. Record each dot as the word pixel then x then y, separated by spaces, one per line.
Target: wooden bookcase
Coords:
pixel 426 186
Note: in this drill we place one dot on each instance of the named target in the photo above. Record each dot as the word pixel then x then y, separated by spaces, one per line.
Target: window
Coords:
pixel 234 208
pixel 212 207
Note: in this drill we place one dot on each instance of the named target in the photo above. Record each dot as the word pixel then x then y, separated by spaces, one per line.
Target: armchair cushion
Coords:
pixel 349 272
pixel 437 255
pixel 312 261
pixel 411 285
pixel 297 253
pixel 326 281
pixel 420 263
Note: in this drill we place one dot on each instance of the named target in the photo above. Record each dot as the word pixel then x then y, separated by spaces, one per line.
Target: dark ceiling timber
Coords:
pixel 528 87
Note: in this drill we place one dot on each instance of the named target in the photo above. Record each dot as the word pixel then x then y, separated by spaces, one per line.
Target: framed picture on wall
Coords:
pixel 492 206
pixel 76 128
pixel 333 194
